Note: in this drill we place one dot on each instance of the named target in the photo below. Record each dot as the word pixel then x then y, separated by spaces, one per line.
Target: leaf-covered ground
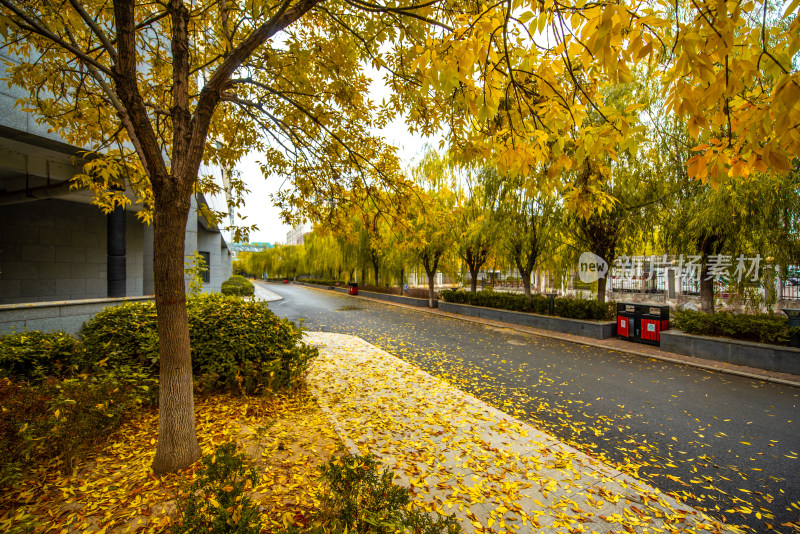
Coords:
pixel 113 489
pixel 496 473
pixel 723 444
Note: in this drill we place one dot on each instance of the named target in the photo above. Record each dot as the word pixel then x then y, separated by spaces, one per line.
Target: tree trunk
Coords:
pixel 601 290
pixel 430 265
pixel 177 439
pixel 473 283
pixel 474 262
pixel 431 291
pixel 708 246
pixel 402 279
pixel 526 283
pixel 706 292
pixel 375 269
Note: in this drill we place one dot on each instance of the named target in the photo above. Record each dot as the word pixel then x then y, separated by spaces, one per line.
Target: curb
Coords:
pixel 707 365
pixel 273 296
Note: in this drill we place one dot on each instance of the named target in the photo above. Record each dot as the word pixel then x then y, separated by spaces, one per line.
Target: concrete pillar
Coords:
pixel 116 247
pixel 148 282
pixel 190 243
pixel 671 283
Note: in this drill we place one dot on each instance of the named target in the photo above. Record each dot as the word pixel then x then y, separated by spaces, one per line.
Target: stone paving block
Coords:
pixel 461 456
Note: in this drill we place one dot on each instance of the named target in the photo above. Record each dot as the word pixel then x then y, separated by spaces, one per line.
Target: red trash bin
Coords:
pixel 655 319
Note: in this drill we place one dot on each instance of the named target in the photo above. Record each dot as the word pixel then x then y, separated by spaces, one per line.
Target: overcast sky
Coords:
pixel 259 209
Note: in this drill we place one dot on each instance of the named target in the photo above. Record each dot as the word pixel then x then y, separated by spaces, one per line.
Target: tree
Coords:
pixel 323 254
pixel 741 216
pixel 430 234
pixel 430 219
pixel 159 88
pixel 475 225
pixel 530 221
pixel 372 232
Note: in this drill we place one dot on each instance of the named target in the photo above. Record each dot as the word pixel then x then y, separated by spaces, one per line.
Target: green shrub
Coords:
pixel 34 356
pixel 57 419
pixel 761 327
pixel 571 308
pixel 242 346
pixel 419 293
pixel 238 285
pixel 359 498
pixel 216 502
pixel 237 345
pixel 125 334
pixel 322 282
pixel 574 308
pixel 380 289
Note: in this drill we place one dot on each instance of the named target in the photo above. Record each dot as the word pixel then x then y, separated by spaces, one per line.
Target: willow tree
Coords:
pixel 475 223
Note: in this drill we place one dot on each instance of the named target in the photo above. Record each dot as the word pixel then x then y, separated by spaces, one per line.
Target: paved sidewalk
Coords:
pixel 262 293
pixel 461 456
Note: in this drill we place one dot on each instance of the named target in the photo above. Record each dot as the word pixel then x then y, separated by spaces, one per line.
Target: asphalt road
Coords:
pixel 729 445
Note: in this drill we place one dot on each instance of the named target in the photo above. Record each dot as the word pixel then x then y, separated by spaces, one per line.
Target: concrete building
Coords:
pixel 296 235
pixel 55 245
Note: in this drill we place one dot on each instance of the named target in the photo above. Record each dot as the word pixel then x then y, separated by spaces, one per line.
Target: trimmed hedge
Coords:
pixel 419 293
pixel 569 308
pixel 380 289
pixel 237 345
pixel 61 395
pixel 34 356
pixel 322 282
pixel 242 346
pixel 761 327
pixel 238 285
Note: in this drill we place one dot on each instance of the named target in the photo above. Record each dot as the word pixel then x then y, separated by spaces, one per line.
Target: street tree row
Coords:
pixel 462 221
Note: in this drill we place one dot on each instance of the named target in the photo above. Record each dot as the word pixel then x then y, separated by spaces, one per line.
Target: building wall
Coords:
pixel 226 256
pixel 134 256
pixel 210 242
pixel 56 250
pixel 295 235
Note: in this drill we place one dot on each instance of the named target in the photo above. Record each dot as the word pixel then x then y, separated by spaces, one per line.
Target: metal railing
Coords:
pixel 790 289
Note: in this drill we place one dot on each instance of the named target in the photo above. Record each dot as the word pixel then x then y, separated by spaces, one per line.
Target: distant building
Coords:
pixel 296 235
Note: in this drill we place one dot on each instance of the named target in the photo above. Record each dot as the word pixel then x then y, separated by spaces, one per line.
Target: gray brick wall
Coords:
pixel 56 250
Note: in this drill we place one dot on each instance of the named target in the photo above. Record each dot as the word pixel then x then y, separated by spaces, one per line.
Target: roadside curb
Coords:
pixel 708 365
pixel 271 297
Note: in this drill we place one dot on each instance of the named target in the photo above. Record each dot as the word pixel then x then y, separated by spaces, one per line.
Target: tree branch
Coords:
pixel 34 26
pixel 96 29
